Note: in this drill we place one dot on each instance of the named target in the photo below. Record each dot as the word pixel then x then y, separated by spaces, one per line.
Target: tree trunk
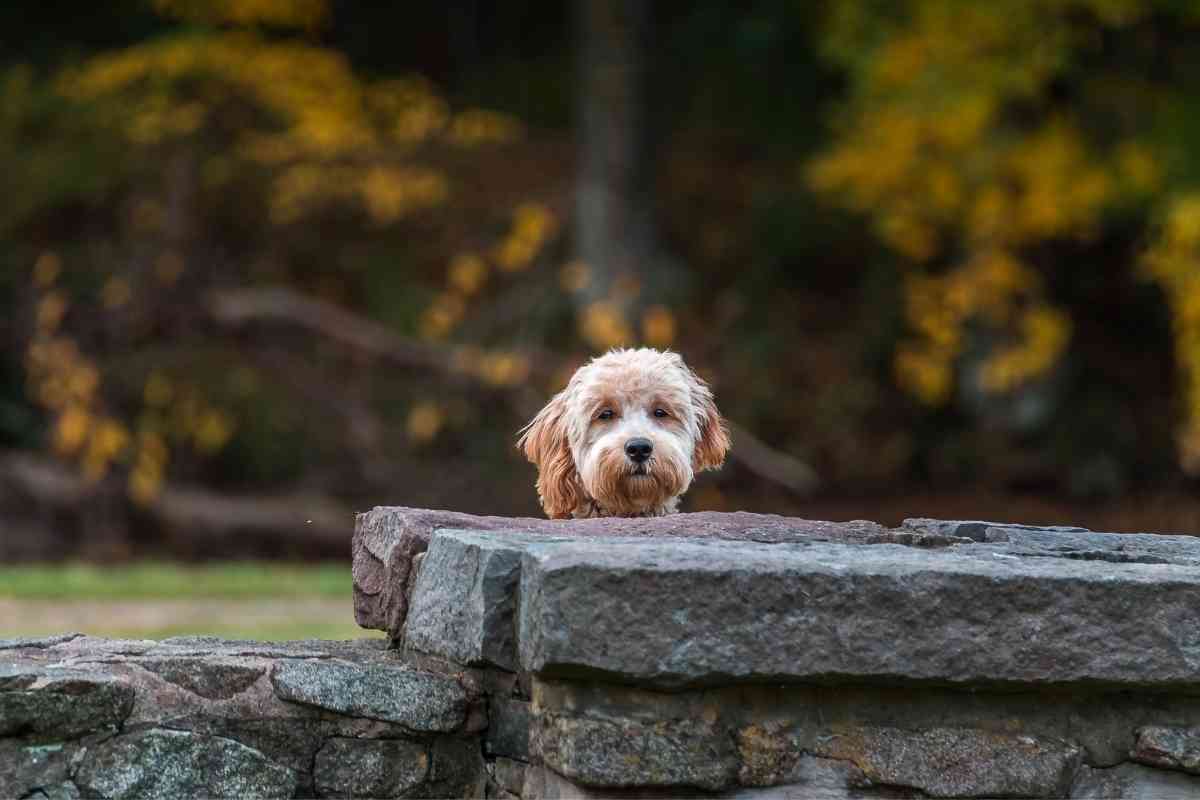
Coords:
pixel 614 205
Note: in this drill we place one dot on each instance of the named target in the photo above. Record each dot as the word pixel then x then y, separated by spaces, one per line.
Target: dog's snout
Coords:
pixel 638 449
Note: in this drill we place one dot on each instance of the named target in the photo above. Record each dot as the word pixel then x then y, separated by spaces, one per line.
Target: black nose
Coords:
pixel 638 449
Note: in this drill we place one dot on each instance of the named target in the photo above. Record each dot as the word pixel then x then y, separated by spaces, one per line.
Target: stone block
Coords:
pixel 60 703
pixel 691 612
pixel 381 768
pixel 167 764
pixel 464 598
pixel 508 728
pixel 1173 748
pixel 420 701
pixel 1133 782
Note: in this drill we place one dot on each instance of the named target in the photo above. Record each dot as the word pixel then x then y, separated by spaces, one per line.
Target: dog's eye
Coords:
pixel 605 414
pixel 661 412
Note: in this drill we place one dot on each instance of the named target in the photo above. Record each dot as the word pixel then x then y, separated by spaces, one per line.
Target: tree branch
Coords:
pixel 243 306
pixel 195 513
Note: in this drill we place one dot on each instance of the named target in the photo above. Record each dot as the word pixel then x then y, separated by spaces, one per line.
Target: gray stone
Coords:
pixel 288 741
pixel 38 642
pixel 388 539
pixel 26 768
pixel 420 701
pixel 171 764
pixel 508 728
pixel 958 762
pixel 691 612
pixel 1174 748
pixel 509 774
pixel 465 594
pixel 1133 782
pixel 812 778
pixel 458 769
pixel 1070 543
pixel 977 530
pixel 614 752
pixel 58 791
pixel 60 703
pixel 369 768
pixel 211 678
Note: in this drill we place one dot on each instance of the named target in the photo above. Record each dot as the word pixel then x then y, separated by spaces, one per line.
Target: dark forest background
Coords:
pixel 267 262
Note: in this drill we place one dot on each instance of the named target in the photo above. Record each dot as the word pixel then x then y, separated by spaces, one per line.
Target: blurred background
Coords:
pixel 267 262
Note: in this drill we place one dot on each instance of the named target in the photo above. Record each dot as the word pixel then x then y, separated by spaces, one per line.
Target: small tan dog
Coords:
pixel 625 438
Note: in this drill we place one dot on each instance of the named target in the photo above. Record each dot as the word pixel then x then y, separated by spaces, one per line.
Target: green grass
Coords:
pixel 157 580
pixel 154 600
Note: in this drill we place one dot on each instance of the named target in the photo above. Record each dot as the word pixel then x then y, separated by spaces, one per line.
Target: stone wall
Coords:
pixel 701 654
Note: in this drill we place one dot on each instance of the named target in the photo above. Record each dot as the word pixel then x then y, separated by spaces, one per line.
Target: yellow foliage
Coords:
pixel 603 326
pixel 50 311
pixel 46 269
pixel 283 13
pixel 477 126
pixel 468 272
pixel 212 431
pixel 71 430
pixel 658 326
pixel 994 289
pixel 575 276
pixel 443 314
pixel 117 292
pixel 946 143
pixel 425 420
pixel 533 224
pixel 158 390
pixel 504 369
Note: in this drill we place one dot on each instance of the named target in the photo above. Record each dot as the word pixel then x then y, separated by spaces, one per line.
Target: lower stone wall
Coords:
pixel 199 717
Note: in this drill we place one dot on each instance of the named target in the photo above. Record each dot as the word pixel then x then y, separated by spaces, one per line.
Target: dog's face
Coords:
pixel 625 438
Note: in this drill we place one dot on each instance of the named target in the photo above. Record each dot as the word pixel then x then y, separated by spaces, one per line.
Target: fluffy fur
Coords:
pixel 578 441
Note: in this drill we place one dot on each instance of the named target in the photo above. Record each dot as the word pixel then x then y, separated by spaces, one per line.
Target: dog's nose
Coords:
pixel 638 449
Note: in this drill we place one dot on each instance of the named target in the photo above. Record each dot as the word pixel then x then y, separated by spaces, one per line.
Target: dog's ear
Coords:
pixel 713 443
pixel 544 441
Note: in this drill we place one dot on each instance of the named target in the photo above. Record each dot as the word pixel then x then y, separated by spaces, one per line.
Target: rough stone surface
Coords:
pixel 370 768
pixel 172 764
pixel 509 775
pixel 38 642
pixel 62 704
pixel 694 612
pixel 458 768
pixel 1133 782
pixel 464 598
pixel 419 701
pixel 508 728
pixel 1068 542
pixel 813 778
pixel 387 539
pixel 950 762
pixel 626 752
pixel 213 679
pixel 26 768
pixel 1174 748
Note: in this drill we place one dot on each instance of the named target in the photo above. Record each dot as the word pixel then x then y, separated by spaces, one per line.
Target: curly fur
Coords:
pixel 578 440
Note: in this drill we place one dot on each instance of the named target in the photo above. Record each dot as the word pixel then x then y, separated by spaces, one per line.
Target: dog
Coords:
pixel 625 438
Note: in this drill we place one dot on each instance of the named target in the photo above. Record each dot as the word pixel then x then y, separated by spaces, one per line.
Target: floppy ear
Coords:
pixel 714 437
pixel 544 441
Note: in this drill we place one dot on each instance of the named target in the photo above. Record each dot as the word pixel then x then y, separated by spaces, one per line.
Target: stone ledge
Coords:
pixel 709 612
pixel 387 539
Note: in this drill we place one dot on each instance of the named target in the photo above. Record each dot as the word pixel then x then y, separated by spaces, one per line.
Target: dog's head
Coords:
pixel 626 436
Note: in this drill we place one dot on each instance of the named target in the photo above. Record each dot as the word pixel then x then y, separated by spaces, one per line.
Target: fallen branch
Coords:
pixel 242 306
pixel 301 518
